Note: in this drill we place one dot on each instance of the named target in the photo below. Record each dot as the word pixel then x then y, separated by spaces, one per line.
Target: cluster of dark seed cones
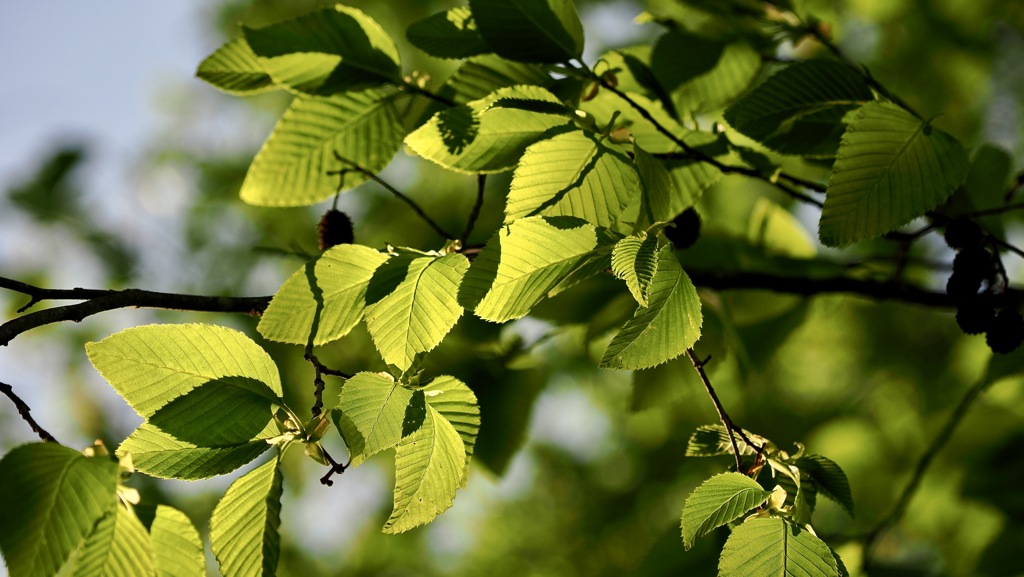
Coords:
pixel 335 228
pixel 980 311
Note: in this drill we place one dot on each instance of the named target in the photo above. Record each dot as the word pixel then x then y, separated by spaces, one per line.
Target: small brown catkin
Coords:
pixel 335 228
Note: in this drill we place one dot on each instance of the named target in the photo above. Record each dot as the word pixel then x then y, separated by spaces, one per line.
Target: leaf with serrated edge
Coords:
pixel 327 51
pixel 178 548
pixel 890 169
pixel 329 292
pixel 419 311
pixel 53 497
pixel 635 260
pixel 449 34
pixel 244 524
pixel 158 454
pixel 572 174
pixel 376 406
pixel 719 500
pixel 829 480
pixel 530 30
pixel 456 403
pixel 713 440
pixel 665 328
pixel 293 166
pixel 429 466
pixel 234 69
pixel 151 365
pixel 119 547
pixel 522 262
pixel 772 546
pixel 476 138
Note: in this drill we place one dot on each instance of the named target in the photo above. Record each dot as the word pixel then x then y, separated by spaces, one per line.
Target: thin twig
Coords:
pixel 481 181
pixel 24 410
pixel 894 517
pixel 336 468
pixel 723 416
pixel 993 211
pixel 318 381
pixel 412 204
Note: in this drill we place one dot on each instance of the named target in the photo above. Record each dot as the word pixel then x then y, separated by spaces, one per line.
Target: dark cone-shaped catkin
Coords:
pixel 335 228
pixel 685 229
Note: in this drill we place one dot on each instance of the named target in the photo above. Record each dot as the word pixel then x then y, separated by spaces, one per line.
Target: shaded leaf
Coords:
pixel 771 546
pixel 448 34
pixel 530 30
pixel 733 72
pixel 235 69
pixel 829 480
pixel 713 440
pixel 890 169
pixel 635 260
pixel 244 524
pixel 221 412
pixel 159 454
pixel 717 501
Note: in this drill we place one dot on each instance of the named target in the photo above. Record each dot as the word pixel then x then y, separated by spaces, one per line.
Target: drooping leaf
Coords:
pixel 635 260
pixel 713 440
pixel 324 299
pixel 522 262
pixel 149 366
pixel 477 137
pixel 178 548
pixel 717 501
pixel 222 412
pixel 665 328
pixel 234 69
pixel 771 546
pixel 429 467
pixel 829 480
pixel 456 402
pixel 412 304
pixel 530 30
pixel 327 51
pixel 376 407
pixel 800 109
pixel 159 454
pixel 119 547
pixel 53 496
pixel 294 166
pixel 890 169
pixel 572 174
pixel 448 34
pixel 244 524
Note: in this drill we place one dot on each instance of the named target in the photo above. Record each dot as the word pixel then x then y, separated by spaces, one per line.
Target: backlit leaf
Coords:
pixel 530 30
pixel 377 407
pixel 717 501
pixel 456 403
pixel 178 548
pixel 159 454
pixel 772 546
pixel 234 69
pixel 244 525
pixel 635 260
pixel 119 547
pixel 449 34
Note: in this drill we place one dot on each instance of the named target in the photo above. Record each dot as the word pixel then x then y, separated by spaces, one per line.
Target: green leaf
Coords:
pixel 292 168
pixel 234 69
pixel 713 440
pixel 717 501
pixel 328 51
pixel 221 412
pixel 178 548
pixel 800 109
pixel 635 260
pixel 665 328
pixel 477 137
pixel 149 366
pixel 771 546
pixel 449 34
pixel 890 169
pixel 376 407
pixel 522 262
pixel 530 30
pixel 659 197
pixel 412 304
pixel 53 497
pixel 119 547
pixel 458 405
pixel 159 454
pixel 481 75
pixel 324 299
pixel 244 525
pixel 671 71
pixel 429 467
pixel 572 174
pixel 829 480
pixel 732 73
pixel 777 231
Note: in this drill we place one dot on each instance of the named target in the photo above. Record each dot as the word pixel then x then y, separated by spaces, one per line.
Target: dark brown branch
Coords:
pixel 336 468
pixel 318 381
pixel 24 410
pixel 723 416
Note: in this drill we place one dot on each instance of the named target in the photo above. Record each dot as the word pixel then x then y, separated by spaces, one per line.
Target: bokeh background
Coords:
pixel 119 169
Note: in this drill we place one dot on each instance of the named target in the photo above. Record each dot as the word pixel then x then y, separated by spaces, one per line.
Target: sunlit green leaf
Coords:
pixel 328 51
pixel 713 440
pixel 151 365
pixel 772 546
pixel 53 497
pixel 429 467
pixel 530 30
pixel 234 69
pixel 295 165
pixel 635 260
pixel 412 304
pixel 890 169
pixel 159 454
pixel 665 328
pixel 449 34
pixel 572 174
pixel 324 299
pixel 119 547
pixel 732 73
pixel 377 407
pixel 244 525
pixel 717 501
pixel 178 548
pixel 456 403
